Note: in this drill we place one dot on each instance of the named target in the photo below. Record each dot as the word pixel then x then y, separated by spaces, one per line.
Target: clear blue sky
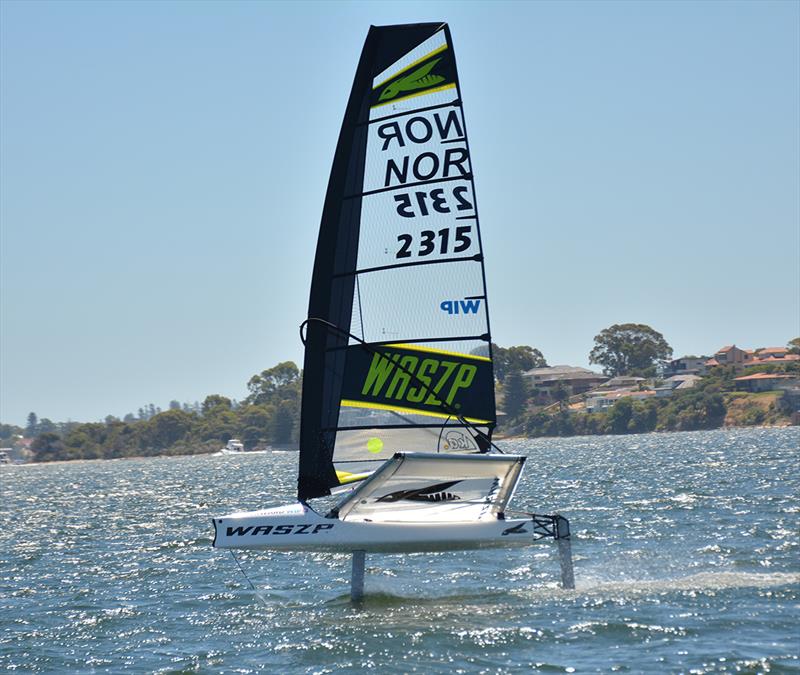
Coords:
pixel 163 168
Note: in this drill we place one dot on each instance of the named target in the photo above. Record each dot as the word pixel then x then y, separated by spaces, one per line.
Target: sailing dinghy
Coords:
pixel 398 404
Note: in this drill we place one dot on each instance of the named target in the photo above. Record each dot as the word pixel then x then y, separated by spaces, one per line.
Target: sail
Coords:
pixel 398 346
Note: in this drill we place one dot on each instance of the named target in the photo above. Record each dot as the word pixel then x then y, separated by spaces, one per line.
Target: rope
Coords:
pixel 244 574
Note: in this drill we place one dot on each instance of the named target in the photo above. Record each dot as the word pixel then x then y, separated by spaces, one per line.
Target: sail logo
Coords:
pixel 455 440
pixel 431 493
pixel 421 78
pixel 252 530
pixel 419 380
pixel 413 379
pixel 465 306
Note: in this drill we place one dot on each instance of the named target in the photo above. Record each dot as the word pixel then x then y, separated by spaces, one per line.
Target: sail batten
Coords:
pixel 398 332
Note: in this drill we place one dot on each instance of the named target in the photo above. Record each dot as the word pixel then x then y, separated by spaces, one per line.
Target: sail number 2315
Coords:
pixel 422 202
pixel 428 242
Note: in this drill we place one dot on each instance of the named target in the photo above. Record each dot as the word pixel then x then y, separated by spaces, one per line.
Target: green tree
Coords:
pixel 46 426
pixel 214 401
pixel 794 346
pixel 8 431
pixel 628 349
pixel 281 382
pixel 515 393
pixel 519 358
pixel 33 424
pixel 167 428
pixel 620 415
pixel 560 394
pixel 47 447
pixel 283 423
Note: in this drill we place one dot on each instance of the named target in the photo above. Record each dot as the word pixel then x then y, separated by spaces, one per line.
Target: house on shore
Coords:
pixel 574 379
pixel 765 382
pixel 601 402
pixel 731 355
pixel 687 365
pixel 676 383
pixel 742 358
pixel 624 382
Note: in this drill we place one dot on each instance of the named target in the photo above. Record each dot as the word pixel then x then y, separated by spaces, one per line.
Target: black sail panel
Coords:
pixel 398 348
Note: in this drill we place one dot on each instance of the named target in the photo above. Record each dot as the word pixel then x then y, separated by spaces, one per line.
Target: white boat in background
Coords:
pixel 233 447
pixel 398 405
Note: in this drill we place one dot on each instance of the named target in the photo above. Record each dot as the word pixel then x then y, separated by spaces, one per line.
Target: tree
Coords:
pixel 47 447
pixel 559 393
pixel 46 426
pixel 283 423
pixel 519 358
pixel 33 424
pixel 8 431
pixel 281 382
pixel 628 349
pixel 167 428
pixel 214 401
pixel 620 415
pixel 515 393
pixel 794 346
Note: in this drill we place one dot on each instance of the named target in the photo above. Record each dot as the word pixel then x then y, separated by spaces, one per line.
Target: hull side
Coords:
pixel 298 528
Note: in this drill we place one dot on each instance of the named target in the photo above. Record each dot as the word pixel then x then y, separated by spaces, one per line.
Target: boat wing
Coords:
pixel 435 487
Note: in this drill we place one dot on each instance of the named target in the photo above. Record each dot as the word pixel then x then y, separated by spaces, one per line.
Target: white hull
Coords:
pixel 296 527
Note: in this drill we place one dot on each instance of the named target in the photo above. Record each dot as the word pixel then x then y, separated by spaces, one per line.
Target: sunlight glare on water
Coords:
pixel 686 559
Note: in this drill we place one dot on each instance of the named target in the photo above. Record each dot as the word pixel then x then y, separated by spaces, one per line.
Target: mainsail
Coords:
pixel 398 347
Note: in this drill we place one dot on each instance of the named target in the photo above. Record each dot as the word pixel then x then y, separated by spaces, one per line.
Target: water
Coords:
pixel 687 559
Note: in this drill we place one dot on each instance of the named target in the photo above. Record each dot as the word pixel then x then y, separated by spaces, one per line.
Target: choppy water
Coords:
pixel 687 560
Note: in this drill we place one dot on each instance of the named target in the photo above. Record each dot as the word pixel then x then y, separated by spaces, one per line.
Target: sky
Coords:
pixel 163 168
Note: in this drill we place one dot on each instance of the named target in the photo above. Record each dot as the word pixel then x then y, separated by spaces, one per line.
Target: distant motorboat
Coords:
pixel 234 447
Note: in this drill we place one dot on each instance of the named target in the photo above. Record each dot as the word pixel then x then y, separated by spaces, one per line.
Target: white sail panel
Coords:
pixel 444 300
pixel 416 147
pixel 438 96
pixel 445 212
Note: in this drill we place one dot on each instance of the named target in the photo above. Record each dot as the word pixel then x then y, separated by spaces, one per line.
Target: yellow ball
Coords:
pixel 374 445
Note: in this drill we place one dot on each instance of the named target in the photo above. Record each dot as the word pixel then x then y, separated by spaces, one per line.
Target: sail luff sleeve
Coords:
pixel 332 288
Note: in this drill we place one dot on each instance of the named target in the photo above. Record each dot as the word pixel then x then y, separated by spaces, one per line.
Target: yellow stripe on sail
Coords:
pixel 410 411
pixel 432 350
pixel 419 93
pixel 412 64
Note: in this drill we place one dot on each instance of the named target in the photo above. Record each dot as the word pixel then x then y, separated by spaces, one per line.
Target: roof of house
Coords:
pixel 623 393
pixel 623 379
pixel 764 376
pixel 563 373
pixel 779 359
pixel 773 350
pixel 684 381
